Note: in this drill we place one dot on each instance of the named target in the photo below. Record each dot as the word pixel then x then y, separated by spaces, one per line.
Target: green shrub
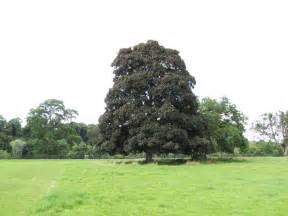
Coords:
pixel 222 155
pixel 62 148
pixel 17 146
pixel 79 151
pixel 4 154
pixel 262 148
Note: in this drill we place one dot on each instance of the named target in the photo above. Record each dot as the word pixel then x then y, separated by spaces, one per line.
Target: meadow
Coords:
pixel 252 186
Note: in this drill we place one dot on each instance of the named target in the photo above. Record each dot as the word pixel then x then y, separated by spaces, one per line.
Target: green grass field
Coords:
pixel 256 186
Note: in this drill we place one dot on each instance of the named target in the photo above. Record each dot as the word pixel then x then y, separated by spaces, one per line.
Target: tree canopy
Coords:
pixel 274 127
pixel 151 107
pixel 225 125
pixel 49 129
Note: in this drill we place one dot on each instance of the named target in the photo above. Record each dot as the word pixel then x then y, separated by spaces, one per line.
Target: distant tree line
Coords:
pixel 50 132
pixel 151 109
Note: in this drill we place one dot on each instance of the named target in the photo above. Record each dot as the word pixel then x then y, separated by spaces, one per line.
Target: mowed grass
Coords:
pixel 255 186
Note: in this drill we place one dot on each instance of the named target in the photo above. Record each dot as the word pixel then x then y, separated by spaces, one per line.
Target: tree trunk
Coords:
pixel 285 148
pixel 148 157
pixel 199 156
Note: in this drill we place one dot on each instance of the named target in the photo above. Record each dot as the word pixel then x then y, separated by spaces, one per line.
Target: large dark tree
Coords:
pixel 151 107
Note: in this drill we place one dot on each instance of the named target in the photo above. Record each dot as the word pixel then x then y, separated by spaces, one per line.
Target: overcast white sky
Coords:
pixel 63 49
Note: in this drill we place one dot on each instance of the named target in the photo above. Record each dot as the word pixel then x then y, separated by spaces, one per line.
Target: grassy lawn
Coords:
pixel 256 186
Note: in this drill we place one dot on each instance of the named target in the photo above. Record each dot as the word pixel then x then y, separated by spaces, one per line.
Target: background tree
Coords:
pixel 4 154
pixel 49 128
pixel 17 146
pixel 225 125
pixel 95 137
pixel 263 148
pixel 274 127
pixel 9 130
pixel 5 137
pixel 81 129
pixel 151 107
pixel 79 151
pixel 14 128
